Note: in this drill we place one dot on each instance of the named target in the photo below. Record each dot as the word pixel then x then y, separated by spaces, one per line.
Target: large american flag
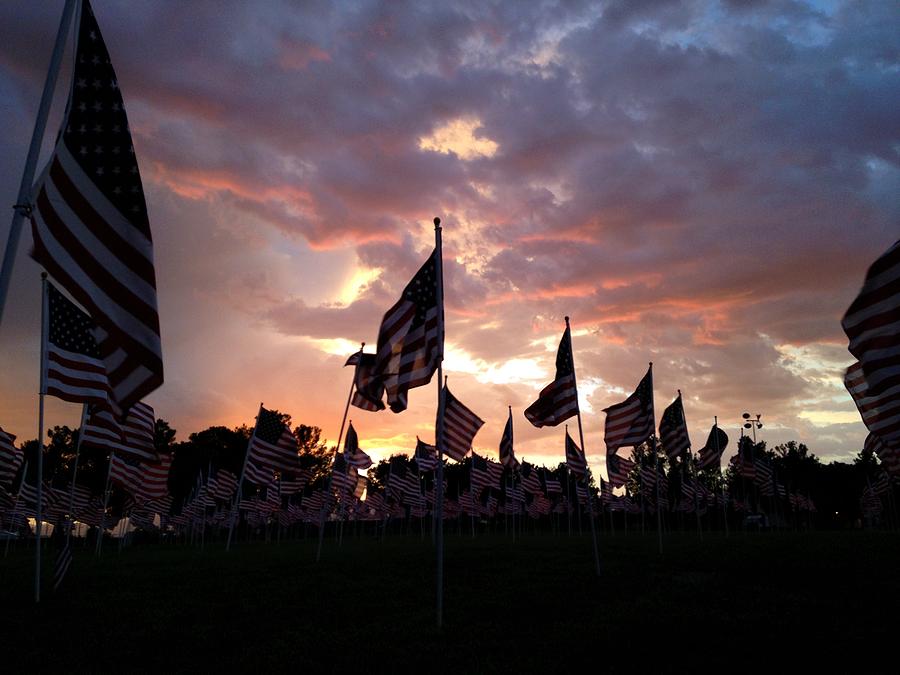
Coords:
pixel 673 430
pixel 272 445
pixel 575 458
pixel 410 339
pixel 890 458
pixel 90 225
pixel 880 413
pixel 73 370
pixel 10 458
pixel 711 454
pixel 459 427
pixel 631 421
pixel 558 401
pixel 132 437
pixel 126 473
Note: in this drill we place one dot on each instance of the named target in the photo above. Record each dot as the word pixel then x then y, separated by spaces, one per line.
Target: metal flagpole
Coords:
pixel 657 467
pixel 16 506
pixel 584 452
pixel 106 491
pixel 718 454
pixel 337 449
pixel 22 207
pixel 693 470
pixel 42 387
pixel 439 429
pixel 240 485
pixel 84 412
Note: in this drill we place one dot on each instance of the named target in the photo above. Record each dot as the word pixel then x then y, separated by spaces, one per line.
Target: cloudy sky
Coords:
pixel 697 184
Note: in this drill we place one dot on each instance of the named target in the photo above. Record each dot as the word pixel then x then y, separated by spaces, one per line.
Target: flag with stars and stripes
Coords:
pixel 410 339
pixel 426 455
pixel 352 453
pixel 631 421
pixel 10 458
pixel 368 391
pixel 272 445
pixel 73 368
pixel 507 452
pixel 459 427
pixel 575 458
pixel 90 225
pixel 558 401
pixel 673 430
pixel 134 436
pixel 618 469
pixel 710 455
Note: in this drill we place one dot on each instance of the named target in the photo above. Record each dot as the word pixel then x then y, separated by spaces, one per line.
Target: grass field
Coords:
pixel 747 602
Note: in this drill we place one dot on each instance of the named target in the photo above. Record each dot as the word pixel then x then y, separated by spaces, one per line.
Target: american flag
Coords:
pixel 90 225
pixel 410 339
pixel 673 430
pixel 575 459
pixel 426 455
pixel 10 458
pixel 631 421
pixel 710 455
pixel 745 464
pixel 550 481
pixel 354 456
pixel 368 390
pixel 223 484
pixel 872 323
pixel 259 474
pixel 507 454
pixel 890 458
pixel 530 480
pixel 880 413
pixel 155 477
pixel 558 401
pixel 459 427
pixel 479 476
pixel 618 469
pixel 133 437
pixel 343 476
pixel 272 445
pixel 74 370
pixel 126 473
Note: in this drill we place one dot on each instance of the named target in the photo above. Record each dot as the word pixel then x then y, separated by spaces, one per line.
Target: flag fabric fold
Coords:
pixel 673 430
pixel 459 428
pixel 410 343
pixel 90 225
pixel 558 401
pixel 710 455
pixel 630 422
pixel 368 391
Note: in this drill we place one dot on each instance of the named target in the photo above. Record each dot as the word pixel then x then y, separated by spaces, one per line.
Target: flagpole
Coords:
pixel 42 388
pixel 84 412
pixel 439 429
pixel 99 548
pixel 584 452
pixel 657 466
pixel 719 455
pixel 693 471
pixel 22 207
pixel 15 510
pixel 240 485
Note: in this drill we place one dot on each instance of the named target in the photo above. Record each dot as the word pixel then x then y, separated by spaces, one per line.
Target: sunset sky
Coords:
pixel 697 184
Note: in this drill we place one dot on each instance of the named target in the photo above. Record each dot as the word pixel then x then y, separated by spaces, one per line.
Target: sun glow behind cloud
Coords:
pixel 459 137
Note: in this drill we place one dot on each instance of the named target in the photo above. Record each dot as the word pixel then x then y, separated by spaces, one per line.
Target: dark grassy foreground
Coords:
pixel 774 602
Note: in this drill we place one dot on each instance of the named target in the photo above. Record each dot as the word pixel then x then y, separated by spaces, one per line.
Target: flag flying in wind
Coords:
pixel 10 458
pixel 73 370
pixel 558 401
pixel 90 225
pixel 575 458
pixel 368 390
pixel 873 324
pixel 711 454
pixel 673 430
pixel 507 453
pixel 631 421
pixel 354 456
pixel 133 437
pixel 426 455
pixel 618 469
pixel 272 445
pixel 460 426
pixel 410 341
